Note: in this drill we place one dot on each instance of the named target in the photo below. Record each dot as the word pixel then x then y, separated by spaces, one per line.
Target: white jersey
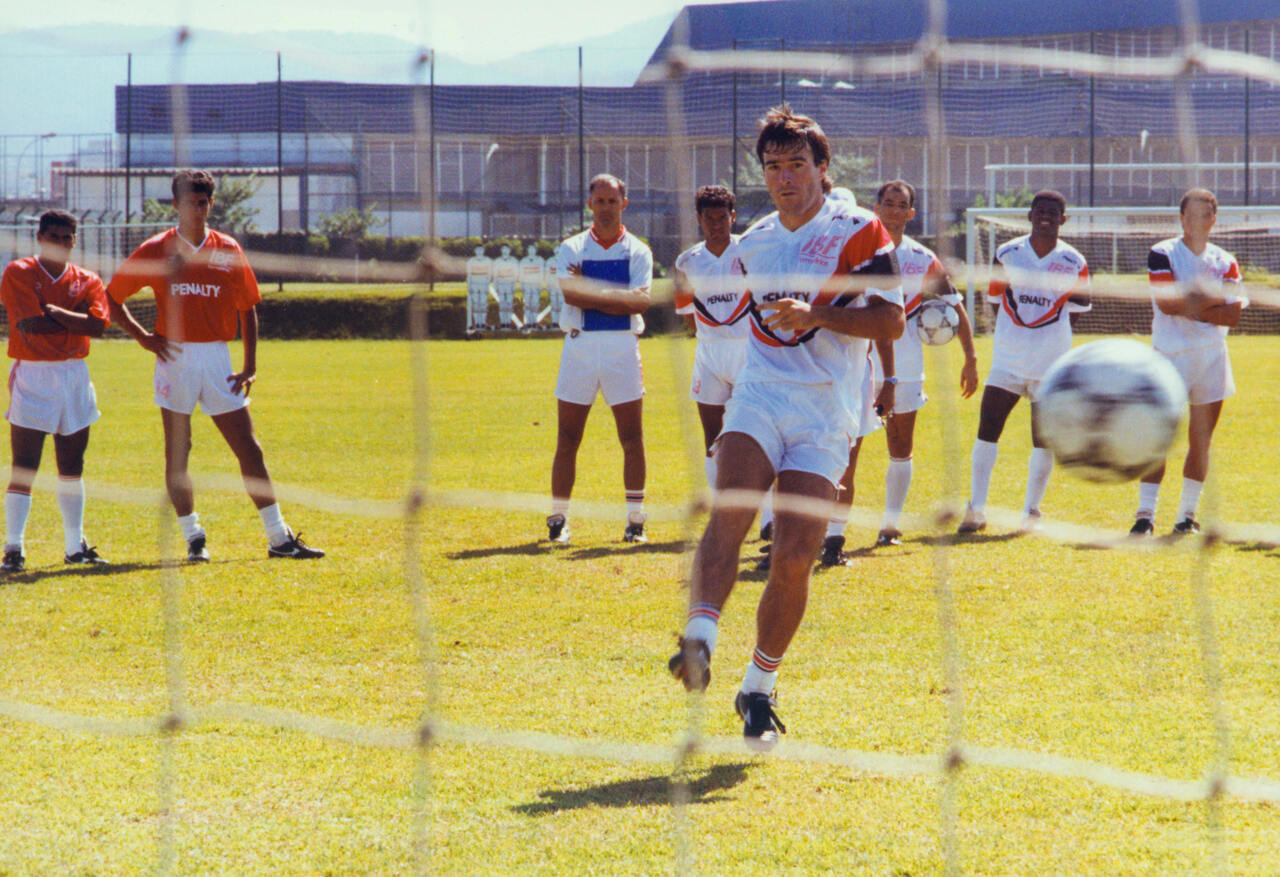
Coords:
pixel 1215 271
pixel 479 270
pixel 505 270
pixel 531 268
pixel 921 272
pixel 814 264
pixel 624 263
pixel 717 295
pixel 1032 324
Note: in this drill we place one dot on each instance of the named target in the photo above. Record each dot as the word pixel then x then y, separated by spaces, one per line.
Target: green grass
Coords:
pixel 1064 649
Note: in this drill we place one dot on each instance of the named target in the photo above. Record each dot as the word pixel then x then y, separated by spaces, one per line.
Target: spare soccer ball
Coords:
pixel 936 322
pixel 1109 409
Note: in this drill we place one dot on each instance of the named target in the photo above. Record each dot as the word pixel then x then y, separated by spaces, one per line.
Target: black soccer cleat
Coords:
pixel 1188 526
pixel 87 555
pixel 833 552
pixel 1142 526
pixel 889 536
pixel 634 533
pixel 692 664
pixel 766 532
pixel 294 547
pixel 196 552
pixel 557 529
pixel 766 559
pixel 973 523
pixel 14 561
pixel 760 723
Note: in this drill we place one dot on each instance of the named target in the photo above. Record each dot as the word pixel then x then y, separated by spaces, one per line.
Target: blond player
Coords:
pixel 204 289
pixel 54 308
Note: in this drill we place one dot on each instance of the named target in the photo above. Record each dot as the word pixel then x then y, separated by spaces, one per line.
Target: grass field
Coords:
pixel 1063 650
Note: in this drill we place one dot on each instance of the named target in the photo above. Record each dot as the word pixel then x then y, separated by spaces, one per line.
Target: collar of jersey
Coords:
pixel 622 231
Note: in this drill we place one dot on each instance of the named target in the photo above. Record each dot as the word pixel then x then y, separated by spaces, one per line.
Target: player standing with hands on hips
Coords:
pixel 204 287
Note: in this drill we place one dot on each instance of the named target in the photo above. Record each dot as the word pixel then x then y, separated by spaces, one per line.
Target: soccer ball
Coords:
pixel 1109 409
pixel 936 322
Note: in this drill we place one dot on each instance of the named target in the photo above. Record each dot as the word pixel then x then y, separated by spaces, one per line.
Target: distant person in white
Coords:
pixel 506 269
pixel 531 270
pixel 1195 286
pixel 555 297
pixel 479 274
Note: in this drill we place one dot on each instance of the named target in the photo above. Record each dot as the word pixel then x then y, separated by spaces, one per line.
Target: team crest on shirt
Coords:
pixel 222 261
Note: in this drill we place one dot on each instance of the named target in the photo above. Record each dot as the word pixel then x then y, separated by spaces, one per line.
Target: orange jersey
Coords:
pixel 200 290
pixel 27 287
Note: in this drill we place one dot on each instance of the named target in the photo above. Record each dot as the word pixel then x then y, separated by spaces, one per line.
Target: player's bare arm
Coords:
pixel 880 319
pixel 162 347
pixel 243 379
pixel 969 371
pixel 582 292
pixel 57 319
pixel 885 398
pixel 683 291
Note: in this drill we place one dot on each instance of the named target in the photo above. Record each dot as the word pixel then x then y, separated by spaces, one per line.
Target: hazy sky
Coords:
pixel 475 30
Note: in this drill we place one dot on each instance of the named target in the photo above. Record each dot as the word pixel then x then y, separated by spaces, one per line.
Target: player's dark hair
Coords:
pixel 782 128
pixel 1052 195
pixel 898 184
pixel 188 181
pixel 713 196
pixel 1197 195
pixel 57 219
pixel 606 178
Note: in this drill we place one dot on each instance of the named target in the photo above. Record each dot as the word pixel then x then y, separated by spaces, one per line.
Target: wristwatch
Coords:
pixel 891 381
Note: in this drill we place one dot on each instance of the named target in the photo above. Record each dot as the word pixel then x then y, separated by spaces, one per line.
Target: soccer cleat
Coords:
pixel 87 555
pixel 1142 526
pixel 1186 527
pixel 760 723
pixel 294 547
pixel 889 536
pixel 833 552
pixel 196 552
pixel 13 561
pixel 972 523
pixel 766 532
pixel 692 664
pixel 634 532
pixel 558 529
pixel 765 561
pixel 1032 523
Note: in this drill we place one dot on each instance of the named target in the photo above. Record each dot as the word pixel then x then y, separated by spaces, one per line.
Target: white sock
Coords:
pixel 17 507
pixel 709 467
pixel 1039 468
pixel 766 509
pixel 1190 498
pixel 837 523
pixel 190 525
pixel 762 673
pixel 635 507
pixel 273 523
pixel 1148 494
pixel 984 463
pixel 560 507
pixel 703 623
pixel 71 502
pixel 897 480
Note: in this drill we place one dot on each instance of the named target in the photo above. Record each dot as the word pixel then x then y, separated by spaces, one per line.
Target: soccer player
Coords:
pixel 823 281
pixel 531 270
pixel 605 273
pixel 1195 286
pixel 555 297
pixel 506 270
pixel 479 273
pixel 1037 282
pixel 54 308
pixel 204 287
pixel 923 279
pixel 711 291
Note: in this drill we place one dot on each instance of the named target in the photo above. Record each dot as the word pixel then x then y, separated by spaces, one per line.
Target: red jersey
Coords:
pixel 200 290
pixel 26 287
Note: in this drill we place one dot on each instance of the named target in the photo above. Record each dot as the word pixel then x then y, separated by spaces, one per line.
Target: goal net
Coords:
pixel 1115 242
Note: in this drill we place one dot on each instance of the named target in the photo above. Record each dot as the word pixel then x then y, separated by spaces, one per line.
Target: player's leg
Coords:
pixel 899 433
pixel 997 402
pixel 628 417
pixel 69 451
pixel 571 421
pixel 746 473
pixel 712 419
pixel 833 541
pixel 1039 468
pixel 177 480
pixel 1201 423
pixel 506 304
pixel 27 446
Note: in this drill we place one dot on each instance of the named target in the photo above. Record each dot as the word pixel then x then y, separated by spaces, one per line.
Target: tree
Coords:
pixel 350 224
pixel 230 212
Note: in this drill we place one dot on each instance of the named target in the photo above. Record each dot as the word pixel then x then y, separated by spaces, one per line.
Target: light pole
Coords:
pixel 17 168
pixel 484 172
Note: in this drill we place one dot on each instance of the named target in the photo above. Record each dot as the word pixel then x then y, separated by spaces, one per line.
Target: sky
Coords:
pixel 471 30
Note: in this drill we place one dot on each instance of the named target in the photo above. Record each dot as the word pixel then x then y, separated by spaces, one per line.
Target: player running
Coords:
pixel 204 287
pixel 54 308
pixel 822 281
pixel 605 273
pixel 901 393
pixel 1195 286
pixel 1037 282
pixel 711 292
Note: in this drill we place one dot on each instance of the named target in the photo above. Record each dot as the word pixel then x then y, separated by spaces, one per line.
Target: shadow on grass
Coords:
pixel 529 549
pixel 31 576
pixel 968 538
pixel 675 546
pixel 649 791
pixel 1254 546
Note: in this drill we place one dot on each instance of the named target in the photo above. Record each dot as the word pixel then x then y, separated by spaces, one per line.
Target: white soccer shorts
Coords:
pixel 1018 385
pixel 800 427
pixel 52 397
pixel 198 373
pixel 716 364
pixel 600 362
pixel 908 396
pixel 1207 373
